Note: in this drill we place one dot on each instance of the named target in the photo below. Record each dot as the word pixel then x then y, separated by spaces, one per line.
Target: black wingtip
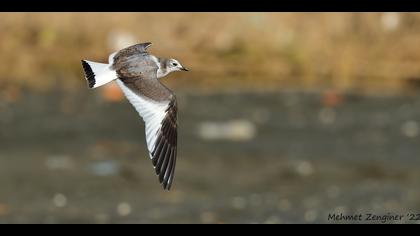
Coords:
pixel 165 149
pixel 147 44
pixel 90 76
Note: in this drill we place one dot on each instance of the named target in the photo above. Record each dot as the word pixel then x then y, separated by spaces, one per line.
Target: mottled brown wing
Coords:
pixel 125 54
pixel 156 104
pixel 135 49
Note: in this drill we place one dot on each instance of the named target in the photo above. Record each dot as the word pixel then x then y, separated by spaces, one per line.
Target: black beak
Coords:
pixel 184 69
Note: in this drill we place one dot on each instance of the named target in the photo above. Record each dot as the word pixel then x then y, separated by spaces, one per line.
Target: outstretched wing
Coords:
pixel 156 104
pixel 136 49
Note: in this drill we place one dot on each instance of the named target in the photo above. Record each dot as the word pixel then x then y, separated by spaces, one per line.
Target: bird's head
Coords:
pixel 174 65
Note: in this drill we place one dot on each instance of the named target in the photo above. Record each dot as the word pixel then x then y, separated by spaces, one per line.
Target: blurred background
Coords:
pixel 283 118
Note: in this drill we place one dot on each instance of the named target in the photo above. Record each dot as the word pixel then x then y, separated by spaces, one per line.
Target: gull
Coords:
pixel 137 73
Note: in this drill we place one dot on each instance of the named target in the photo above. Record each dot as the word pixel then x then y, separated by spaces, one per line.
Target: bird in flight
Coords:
pixel 137 73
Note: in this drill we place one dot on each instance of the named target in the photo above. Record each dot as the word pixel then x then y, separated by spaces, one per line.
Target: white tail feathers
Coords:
pixel 98 74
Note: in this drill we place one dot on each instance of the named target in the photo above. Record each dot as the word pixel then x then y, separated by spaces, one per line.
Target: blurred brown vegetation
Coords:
pixel 346 51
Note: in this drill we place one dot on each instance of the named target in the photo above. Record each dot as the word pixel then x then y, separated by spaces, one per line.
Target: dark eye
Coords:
pixel 174 64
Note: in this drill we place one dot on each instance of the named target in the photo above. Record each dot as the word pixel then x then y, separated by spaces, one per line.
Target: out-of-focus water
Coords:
pixel 285 157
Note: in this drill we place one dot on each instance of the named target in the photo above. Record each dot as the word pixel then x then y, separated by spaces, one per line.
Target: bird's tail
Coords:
pixel 98 74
